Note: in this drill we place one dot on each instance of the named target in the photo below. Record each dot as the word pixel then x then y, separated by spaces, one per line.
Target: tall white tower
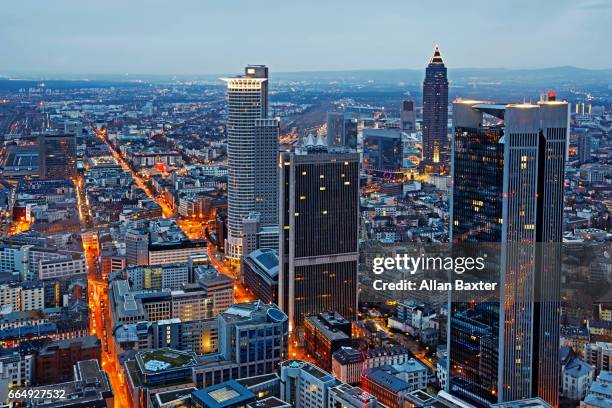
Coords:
pixel 252 148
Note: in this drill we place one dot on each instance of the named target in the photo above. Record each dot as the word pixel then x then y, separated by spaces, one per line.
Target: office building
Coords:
pixel 304 385
pixel 261 274
pixel 508 188
pixel 341 130
pixel 175 251
pixel 256 236
pixel 154 371
pixel 408 117
pixel 383 383
pixel 157 277
pixel 324 334
pixel 319 187
pixel 585 146
pixel 54 363
pixel 57 156
pixel 252 149
pixel 383 154
pixel 16 370
pixel 227 394
pixel 25 259
pixel 66 266
pixel 23 296
pixel 137 247
pixel 599 355
pixel 435 114
pixel 347 365
pixel 89 387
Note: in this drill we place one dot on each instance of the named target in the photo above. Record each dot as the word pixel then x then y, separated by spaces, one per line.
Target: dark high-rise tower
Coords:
pixel 341 130
pixel 318 242
pixel 435 114
pixel 508 189
pixel 408 116
pixel 57 156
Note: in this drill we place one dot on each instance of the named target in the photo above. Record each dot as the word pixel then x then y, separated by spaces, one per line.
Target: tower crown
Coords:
pixel 437 57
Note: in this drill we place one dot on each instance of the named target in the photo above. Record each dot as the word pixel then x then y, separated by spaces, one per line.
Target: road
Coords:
pixel 99 316
pixel 140 182
pixel 99 319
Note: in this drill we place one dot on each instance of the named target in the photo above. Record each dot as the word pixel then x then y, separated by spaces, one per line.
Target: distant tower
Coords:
pixel 408 116
pixel 341 130
pixel 252 149
pixel 435 114
pixel 57 156
pixel 585 146
pixel 137 247
pixel 318 242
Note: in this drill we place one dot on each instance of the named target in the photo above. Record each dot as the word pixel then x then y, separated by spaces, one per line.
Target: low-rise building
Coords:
pixel 54 363
pixel 261 274
pixel 347 396
pixel 347 365
pixel 577 377
pixel 90 387
pixel 324 334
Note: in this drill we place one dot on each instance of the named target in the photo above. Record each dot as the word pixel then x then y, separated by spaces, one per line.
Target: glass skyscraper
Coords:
pixel 508 171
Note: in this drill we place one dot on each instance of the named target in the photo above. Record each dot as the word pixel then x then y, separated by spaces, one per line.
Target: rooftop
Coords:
pixel 164 359
pixel 384 376
pixel 308 368
pixel 227 394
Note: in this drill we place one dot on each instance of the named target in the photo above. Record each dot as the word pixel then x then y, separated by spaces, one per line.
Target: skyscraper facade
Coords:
pixel 57 156
pixel 508 189
pixel 252 148
pixel 318 241
pixel 383 153
pixel 341 130
pixel 435 114
pixel 408 116
pixel 585 145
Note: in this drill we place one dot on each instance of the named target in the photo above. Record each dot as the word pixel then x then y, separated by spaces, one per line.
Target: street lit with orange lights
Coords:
pixel 140 182
pixel 99 316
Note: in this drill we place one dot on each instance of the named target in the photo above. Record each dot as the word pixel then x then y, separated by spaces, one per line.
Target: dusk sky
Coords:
pixel 212 37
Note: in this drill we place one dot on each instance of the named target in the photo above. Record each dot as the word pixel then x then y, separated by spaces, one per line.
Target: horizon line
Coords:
pixel 40 75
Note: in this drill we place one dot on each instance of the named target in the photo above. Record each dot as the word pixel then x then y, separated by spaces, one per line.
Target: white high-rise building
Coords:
pixel 252 149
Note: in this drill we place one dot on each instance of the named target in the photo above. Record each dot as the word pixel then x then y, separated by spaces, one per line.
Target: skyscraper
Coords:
pixel 252 148
pixel 508 188
pixel 383 153
pixel 318 242
pixel 137 247
pixel 408 116
pixel 585 145
pixel 341 130
pixel 57 156
pixel 435 114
